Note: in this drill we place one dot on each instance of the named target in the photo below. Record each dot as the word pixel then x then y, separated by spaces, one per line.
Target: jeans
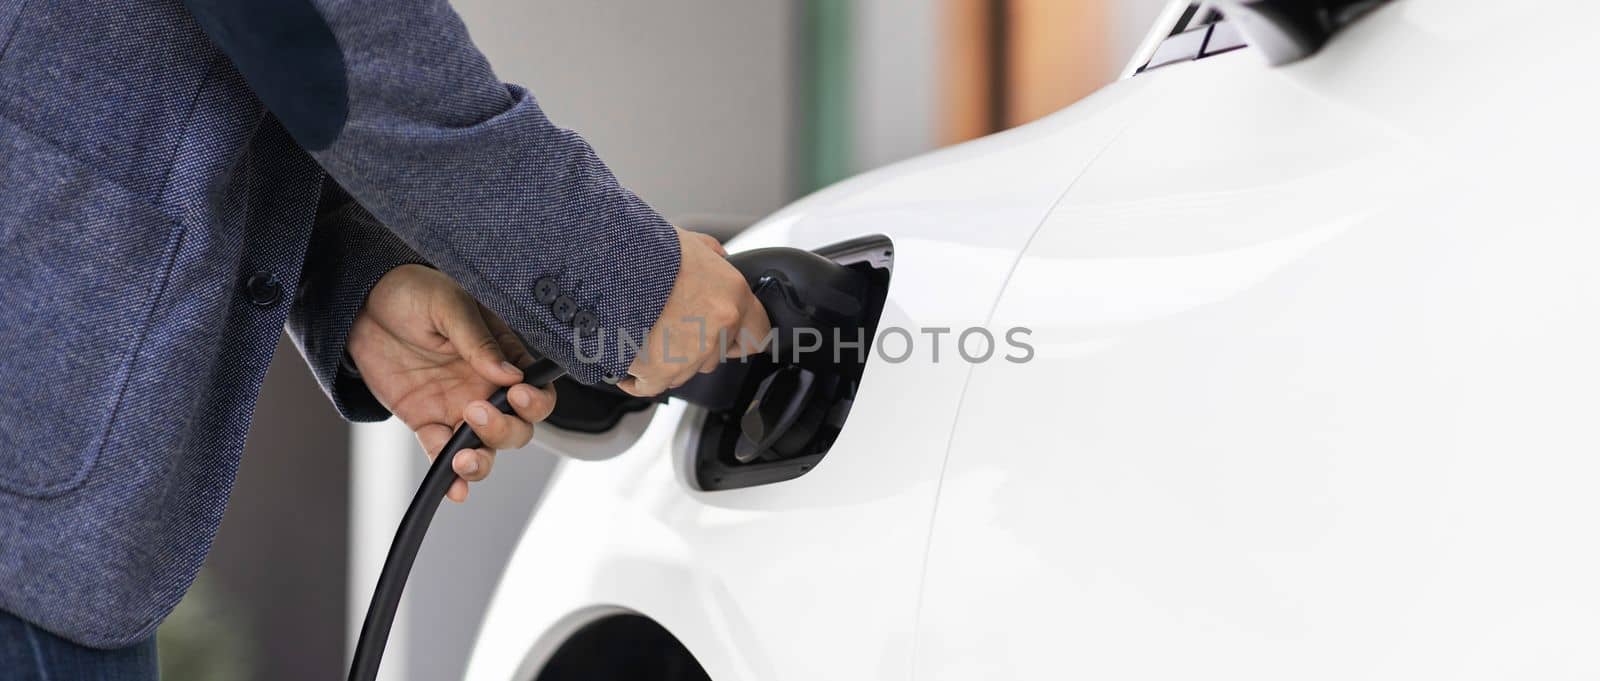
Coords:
pixel 28 653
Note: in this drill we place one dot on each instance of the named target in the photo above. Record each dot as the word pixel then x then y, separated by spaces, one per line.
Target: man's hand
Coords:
pixel 710 302
pixel 431 354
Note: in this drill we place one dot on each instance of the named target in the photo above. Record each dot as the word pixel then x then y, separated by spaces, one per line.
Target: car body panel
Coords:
pixel 1319 379
pixel 1311 394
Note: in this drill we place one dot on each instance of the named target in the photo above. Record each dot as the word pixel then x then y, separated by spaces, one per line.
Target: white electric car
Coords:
pixel 1311 391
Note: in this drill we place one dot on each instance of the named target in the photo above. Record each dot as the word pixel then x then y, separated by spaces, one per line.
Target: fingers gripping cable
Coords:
pixel 414 526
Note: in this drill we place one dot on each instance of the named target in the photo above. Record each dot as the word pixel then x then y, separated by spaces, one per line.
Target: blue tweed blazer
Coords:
pixel 181 179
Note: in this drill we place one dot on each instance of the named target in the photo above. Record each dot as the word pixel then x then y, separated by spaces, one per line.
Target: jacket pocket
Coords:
pixel 82 260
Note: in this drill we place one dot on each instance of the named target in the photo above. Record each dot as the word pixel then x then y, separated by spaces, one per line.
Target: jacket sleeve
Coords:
pixel 349 252
pixel 395 102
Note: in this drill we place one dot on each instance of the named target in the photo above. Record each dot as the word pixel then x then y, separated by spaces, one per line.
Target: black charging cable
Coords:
pixel 414 526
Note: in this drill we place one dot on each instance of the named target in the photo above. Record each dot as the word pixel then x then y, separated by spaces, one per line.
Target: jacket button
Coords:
pixel 545 290
pixel 263 289
pixel 586 324
pixel 564 308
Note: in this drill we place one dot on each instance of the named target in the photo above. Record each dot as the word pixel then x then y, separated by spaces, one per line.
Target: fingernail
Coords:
pixel 520 398
pixel 478 415
pixel 471 465
pixel 510 368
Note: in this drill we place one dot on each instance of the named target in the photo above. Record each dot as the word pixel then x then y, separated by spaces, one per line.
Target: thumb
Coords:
pixel 755 330
pixel 469 334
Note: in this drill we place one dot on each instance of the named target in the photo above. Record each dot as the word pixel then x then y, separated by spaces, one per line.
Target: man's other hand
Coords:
pixel 431 354
pixel 710 304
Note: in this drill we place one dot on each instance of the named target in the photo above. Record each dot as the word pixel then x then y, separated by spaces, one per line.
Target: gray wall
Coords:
pixel 895 85
pixel 689 101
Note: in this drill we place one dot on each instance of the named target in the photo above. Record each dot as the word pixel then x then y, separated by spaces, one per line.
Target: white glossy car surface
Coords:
pixel 1315 396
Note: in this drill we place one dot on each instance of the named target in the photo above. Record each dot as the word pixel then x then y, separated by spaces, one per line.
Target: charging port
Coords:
pixel 787 414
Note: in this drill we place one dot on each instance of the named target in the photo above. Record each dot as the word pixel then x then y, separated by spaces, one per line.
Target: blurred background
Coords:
pixel 717 112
